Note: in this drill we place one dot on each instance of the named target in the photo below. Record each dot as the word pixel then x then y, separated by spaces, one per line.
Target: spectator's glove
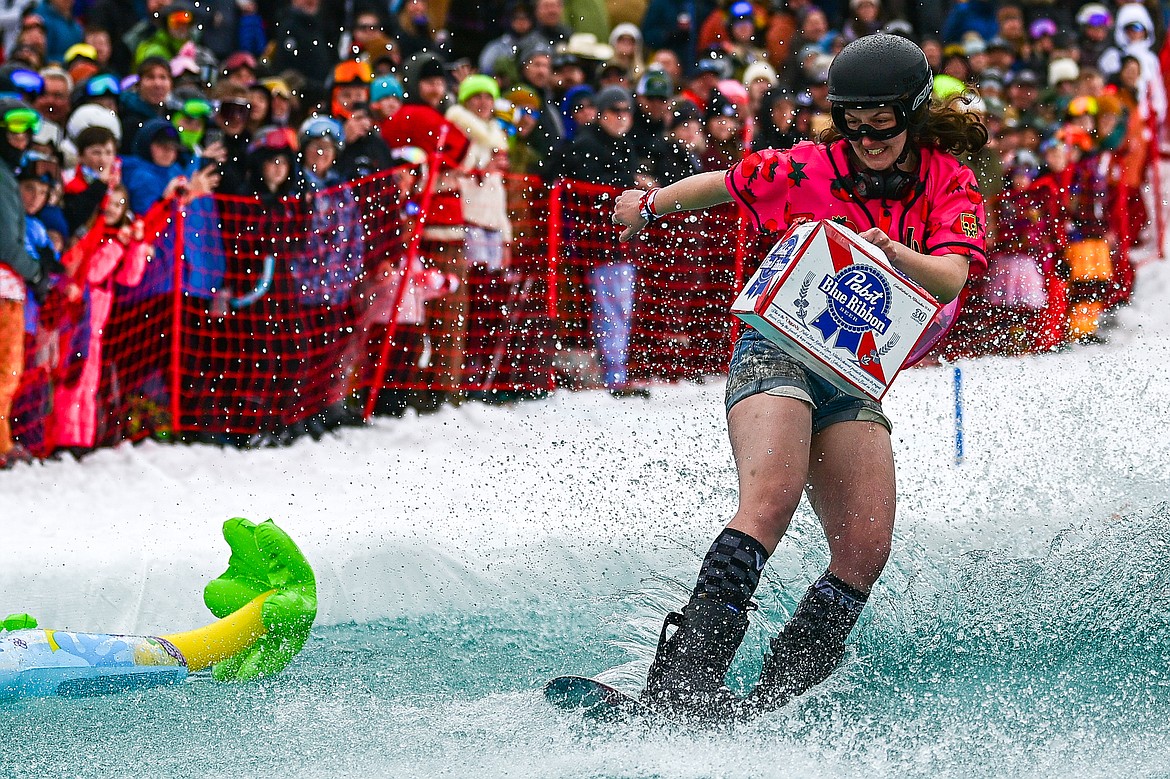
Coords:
pixel 49 261
pixel 39 284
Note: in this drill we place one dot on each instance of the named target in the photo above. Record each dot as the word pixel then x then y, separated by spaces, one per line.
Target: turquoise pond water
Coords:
pixel 981 665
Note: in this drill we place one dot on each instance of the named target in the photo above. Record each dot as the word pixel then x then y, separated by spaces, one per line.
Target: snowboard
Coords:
pixel 593 698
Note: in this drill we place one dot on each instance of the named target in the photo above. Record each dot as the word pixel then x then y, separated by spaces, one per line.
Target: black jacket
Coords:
pixel 597 157
pixel 368 154
pixel 649 140
pixel 304 43
pixel 676 164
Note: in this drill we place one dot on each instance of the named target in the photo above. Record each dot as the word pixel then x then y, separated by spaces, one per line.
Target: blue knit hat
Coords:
pixel 385 86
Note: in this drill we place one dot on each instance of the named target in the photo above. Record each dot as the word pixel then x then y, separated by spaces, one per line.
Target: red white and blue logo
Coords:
pixel 858 306
pixel 774 264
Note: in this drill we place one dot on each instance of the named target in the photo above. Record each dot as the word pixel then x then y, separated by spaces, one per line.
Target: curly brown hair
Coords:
pixel 945 126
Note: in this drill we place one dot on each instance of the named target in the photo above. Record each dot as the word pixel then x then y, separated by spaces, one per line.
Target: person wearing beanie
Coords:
pixel 386 95
pixel 724 133
pixel 146 100
pixel 739 42
pixel 602 153
pixel 271 160
pixel 865 18
pixel 578 109
pixel 775 121
pixel 626 42
pixel 758 78
pixel 499 51
pixel 420 123
pixel 364 152
pixel 549 130
pixel 152 172
pixel 651 103
pixel 488 230
pixel 686 144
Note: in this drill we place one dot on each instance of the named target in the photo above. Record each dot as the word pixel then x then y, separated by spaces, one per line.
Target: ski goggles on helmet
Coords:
pixel 861 130
pixel 22 120
pixel 40 167
pixel 196 109
pixel 28 82
pixel 104 84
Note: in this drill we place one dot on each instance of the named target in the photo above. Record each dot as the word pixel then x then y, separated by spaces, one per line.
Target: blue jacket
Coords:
pixel 971 16
pixel 202 239
pixel 60 32
pixel 144 180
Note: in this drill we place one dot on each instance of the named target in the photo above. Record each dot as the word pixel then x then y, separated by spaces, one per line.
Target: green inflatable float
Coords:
pixel 266 602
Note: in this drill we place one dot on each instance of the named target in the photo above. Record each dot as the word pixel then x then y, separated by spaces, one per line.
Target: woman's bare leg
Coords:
pixel 851 487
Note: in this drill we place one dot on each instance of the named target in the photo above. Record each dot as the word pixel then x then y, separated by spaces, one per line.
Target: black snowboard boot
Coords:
pixel 810 646
pixel 689 667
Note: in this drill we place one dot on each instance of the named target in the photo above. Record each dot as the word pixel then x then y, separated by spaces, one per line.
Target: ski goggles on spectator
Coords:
pixel 28 82
pixel 234 110
pixel 105 84
pixel 179 17
pixel 39 166
pixel 352 72
pixel 274 139
pixel 22 120
pixel 1042 28
pixel 1085 105
pixel 196 109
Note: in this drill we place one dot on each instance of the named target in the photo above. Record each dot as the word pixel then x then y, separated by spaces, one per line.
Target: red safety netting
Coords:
pixel 686 271
pixel 247 318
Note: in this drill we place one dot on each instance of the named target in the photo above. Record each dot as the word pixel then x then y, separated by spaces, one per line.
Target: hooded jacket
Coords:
pixel 144 180
pixel 1151 89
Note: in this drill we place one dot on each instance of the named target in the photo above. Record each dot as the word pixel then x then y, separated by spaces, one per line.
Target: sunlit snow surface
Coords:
pixel 1021 628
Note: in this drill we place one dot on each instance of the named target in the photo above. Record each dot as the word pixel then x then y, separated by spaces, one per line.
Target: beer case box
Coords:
pixel 832 300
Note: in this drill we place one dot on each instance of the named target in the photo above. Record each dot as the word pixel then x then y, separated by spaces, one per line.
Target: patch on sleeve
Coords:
pixel 967 224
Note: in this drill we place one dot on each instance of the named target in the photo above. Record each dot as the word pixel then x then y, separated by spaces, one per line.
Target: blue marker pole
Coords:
pixel 958 415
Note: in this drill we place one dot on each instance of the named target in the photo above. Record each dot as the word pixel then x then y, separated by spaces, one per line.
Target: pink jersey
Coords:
pixel 810 181
pixel 943 215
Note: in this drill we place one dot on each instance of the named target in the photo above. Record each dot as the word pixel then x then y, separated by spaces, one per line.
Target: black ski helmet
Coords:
pixel 880 70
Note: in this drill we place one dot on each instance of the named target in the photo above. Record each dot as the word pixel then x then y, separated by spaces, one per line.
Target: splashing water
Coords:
pixel 1021 628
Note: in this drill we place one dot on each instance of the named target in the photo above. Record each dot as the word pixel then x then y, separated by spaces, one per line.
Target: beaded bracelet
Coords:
pixel 646 205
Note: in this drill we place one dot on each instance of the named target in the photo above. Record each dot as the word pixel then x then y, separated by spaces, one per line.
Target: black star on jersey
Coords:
pixel 797 174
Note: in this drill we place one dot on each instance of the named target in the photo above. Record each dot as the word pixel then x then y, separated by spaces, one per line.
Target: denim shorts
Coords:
pixel 758 365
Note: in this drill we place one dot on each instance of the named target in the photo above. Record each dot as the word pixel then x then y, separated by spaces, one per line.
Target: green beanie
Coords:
pixel 473 85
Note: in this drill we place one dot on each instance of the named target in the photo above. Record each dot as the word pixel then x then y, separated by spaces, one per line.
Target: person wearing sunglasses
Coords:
pixel 602 153
pixel 20 272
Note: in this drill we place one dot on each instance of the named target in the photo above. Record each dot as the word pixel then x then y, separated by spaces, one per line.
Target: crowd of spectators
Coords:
pixel 112 107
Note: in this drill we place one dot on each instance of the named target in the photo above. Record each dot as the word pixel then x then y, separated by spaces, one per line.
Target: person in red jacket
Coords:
pixel 420 123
